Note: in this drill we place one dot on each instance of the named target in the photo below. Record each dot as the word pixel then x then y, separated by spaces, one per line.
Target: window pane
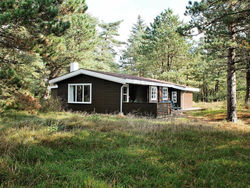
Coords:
pixel 79 93
pixel 174 96
pixel 72 93
pixel 124 98
pixel 165 93
pixel 153 93
pixel 86 93
pixel 125 90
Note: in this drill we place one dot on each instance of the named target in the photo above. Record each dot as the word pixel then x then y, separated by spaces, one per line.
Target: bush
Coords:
pixel 51 104
pixel 19 100
pixel 26 101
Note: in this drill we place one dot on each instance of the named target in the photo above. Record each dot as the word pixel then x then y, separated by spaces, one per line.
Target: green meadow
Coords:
pixel 63 149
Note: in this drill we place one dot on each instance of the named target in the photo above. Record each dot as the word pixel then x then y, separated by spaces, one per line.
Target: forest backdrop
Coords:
pixel 39 39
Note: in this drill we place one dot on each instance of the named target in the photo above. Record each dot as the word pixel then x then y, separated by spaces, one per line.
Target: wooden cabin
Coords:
pixel 105 92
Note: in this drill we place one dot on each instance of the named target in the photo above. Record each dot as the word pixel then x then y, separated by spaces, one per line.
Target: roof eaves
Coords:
pixel 120 80
pixel 192 89
pixel 89 73
pixel 142 82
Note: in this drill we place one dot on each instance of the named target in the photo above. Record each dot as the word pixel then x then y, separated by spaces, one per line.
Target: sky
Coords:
pixel 128 11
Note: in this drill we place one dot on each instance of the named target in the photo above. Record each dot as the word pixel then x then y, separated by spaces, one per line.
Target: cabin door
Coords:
pixel 174 97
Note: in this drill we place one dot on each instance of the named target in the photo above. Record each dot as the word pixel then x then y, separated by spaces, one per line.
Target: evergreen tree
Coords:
pixel 166 51
pixel 132 60
pixel 221 22
pixel 23 25
pixel 208 71
pixel 76 45
pixel 106 52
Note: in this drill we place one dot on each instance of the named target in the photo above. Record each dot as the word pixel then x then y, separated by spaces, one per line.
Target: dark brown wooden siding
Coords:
pixel 163 109
pixel 105 95
pixel 54 92
pixel 148 109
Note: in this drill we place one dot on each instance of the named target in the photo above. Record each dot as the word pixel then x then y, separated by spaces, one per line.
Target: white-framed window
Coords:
pixel 174 96
pixel 164 93
pixel 80 93
pixel 125 93
pixel 153 93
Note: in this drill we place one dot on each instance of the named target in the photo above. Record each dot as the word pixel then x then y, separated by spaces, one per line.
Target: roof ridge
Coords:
pixel 153 79
pixel 122 78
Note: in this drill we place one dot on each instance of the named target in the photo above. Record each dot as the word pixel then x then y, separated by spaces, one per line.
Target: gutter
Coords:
pixel 121 112
pixel 53 87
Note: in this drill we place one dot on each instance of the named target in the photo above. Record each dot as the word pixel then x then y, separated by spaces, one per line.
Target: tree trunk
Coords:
pixel 54 73
pixel 171 62
pixel 162 67
pixel 168 63
pixel 231 83
pixel 247 98
pixel 47 92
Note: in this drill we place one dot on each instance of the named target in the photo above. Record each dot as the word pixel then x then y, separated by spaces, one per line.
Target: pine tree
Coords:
pixel 23 25
pixel 166 51
pixel 76 45
pixel 221 22
pixel 106 53
pixel 132 60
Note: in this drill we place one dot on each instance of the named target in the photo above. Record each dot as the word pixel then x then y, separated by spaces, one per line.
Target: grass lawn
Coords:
pixel 216 112
pixel 78 150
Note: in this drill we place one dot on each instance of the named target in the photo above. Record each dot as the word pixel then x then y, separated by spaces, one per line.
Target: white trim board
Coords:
pixel 88 73
pixel 53 87
pixel 140 82
pixel 120 80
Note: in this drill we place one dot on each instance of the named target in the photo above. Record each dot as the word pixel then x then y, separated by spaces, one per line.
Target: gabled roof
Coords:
pixel 123 79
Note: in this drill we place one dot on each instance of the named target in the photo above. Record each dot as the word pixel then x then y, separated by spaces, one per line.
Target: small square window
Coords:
pixel 153 93
pixel 164 93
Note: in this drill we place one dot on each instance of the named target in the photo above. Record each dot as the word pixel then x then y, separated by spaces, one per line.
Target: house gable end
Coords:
pixel 88 73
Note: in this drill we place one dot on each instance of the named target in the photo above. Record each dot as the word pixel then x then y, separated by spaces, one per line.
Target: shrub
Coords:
pixel 19 100
pixel 26 101
pixel 51 104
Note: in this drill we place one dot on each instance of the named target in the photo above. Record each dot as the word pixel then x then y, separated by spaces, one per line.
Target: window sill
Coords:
pixel 79 103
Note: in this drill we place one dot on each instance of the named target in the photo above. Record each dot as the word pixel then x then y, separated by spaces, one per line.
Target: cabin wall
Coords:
pixel 163 109
pixel 160 94
pixel 54 92
pixel 187 100
pixel 105 95
pixel 148 109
